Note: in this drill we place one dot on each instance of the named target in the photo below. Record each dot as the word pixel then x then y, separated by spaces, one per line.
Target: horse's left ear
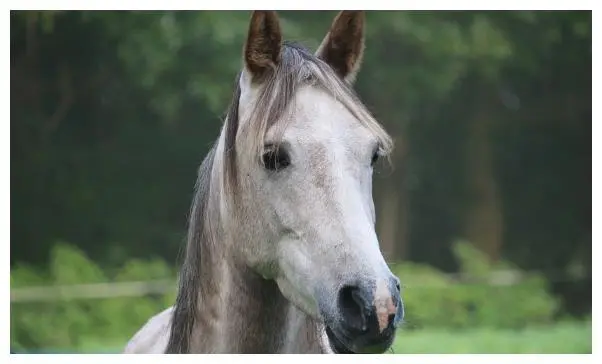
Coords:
pixel 264 44
pixel 343 46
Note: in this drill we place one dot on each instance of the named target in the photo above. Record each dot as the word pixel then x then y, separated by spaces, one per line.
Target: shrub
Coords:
pixel 83 323
pixel 433 299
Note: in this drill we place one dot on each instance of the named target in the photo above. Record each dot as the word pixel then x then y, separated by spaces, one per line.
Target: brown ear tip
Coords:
pixel 353 13
pixel 348 17
pixel 256 15
pixel 261 17
pixel 264 14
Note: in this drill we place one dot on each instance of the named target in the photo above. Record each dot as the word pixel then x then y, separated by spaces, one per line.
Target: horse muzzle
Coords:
pixel 367 316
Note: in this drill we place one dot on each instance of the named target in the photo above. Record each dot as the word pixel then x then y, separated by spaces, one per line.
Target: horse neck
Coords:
pixel 240 312
pixel 248 314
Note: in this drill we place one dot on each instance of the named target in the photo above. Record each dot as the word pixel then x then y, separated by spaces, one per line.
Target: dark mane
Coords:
pixel 190 285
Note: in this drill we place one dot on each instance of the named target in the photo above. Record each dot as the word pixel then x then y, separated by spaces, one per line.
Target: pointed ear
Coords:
pixel 264 44
pixel 343 46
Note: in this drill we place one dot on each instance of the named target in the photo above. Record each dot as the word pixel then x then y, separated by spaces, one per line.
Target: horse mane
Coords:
pixel 190 280
pixel 298 67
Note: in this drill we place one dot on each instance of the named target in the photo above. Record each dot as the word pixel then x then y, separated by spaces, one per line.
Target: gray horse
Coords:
pixel 282 255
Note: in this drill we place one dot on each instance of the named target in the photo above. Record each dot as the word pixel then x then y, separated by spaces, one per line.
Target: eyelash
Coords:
pixel 275 159
pixel 375 157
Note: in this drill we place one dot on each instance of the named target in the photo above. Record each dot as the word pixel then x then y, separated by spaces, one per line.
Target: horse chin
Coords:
pixel 336 344
pixel 340 345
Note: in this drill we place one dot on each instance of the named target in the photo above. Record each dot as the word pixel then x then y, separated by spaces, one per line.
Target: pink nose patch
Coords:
pixel 383 302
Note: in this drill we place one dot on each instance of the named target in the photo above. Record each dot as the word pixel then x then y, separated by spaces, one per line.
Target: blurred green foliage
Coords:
pixel 433 301
pixel 83 323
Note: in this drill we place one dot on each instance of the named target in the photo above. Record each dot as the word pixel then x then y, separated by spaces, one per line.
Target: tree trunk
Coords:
pixel 387 222
pixel 394 208
pixel 484 225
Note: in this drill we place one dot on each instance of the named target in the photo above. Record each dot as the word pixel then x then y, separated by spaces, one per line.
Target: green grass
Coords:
pixel 562 338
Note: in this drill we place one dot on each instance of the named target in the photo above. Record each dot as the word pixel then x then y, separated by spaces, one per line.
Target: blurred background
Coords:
pixel 485 213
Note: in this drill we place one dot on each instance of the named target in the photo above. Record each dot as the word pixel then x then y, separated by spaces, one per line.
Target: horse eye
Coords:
pixel 275 160
pixel 375 157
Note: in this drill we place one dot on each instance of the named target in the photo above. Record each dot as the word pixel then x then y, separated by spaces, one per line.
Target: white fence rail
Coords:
pixel 92 290
pixel 156 287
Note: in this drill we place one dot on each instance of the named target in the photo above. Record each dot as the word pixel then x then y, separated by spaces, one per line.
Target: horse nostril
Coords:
pixel 353 308
pixel 391 319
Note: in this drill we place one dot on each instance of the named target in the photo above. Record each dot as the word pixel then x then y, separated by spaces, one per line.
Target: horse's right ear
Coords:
pixel 343 46
pixel 264 44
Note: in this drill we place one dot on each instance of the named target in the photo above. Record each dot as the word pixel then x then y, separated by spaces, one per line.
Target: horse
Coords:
pixel 282 254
